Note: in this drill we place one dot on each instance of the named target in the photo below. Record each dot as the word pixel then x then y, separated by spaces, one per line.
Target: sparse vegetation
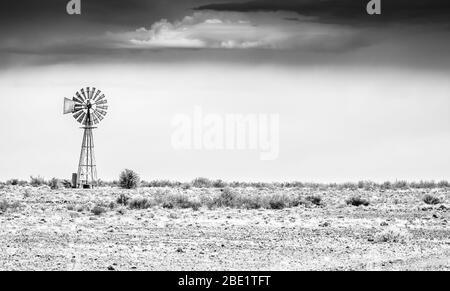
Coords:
pixel 161 184
pixel 393 235
pixel 66 183
pixel 202 183
pixel 55 184
pixel 316 200
pixel 357 201
pixel 37 181
pixel 98 210
pixel 140 203
pixel 123 199
pixel 227 198
pixel 16 182
pixel 431 200
pixel 443 184
pixel 5 206
pixel 129 179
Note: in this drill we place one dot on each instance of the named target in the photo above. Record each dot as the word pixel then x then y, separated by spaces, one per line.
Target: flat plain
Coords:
pixel 44 229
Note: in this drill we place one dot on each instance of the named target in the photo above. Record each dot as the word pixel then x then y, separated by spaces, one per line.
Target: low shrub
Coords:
pixel 278 202
pixel 444 184
pixel 431 200
pixel 180 201
pixel 123 199
pixel 219 184
pixel 67 184
pixel 393 235
pixel 5 206
pixel 140 203
pixel 98 210
pixel 202 183
pixel 227 198
pixel 55 184
pixel 357 201
pixel 400 185
pixel 316 200
pixel 16 182
pixel 37 181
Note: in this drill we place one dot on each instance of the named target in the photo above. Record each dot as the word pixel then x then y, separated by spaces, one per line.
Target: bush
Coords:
pixel 219 184
pixel 227 198
pixel 37 181
pixel 202 183
pixel 431 200
pixel 17 182
pixel 443 184
pixel 424 185
pixel 386 185
pixel 316 200
pixel 160 184
pixel 357 201
pixel 180 201
pixel 13 182
pixel 122 199
pixel 98 210
pixel 55 184
pixel 393 235
pixel 278 202
pixel 251 202
pixel 140 203
pixel 5 205
pixel 400 185
pixel 348 186
pixel 129 179
pixel 67 184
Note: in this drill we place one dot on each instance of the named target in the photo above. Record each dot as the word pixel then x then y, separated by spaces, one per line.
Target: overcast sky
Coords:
pixel 359 96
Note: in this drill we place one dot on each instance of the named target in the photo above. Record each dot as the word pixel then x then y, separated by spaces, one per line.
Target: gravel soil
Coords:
pixel 45 229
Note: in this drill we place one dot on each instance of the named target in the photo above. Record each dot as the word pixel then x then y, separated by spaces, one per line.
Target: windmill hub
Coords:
pixel 89 106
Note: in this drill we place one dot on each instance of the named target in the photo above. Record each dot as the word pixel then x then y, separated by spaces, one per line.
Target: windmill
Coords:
pixel 89 106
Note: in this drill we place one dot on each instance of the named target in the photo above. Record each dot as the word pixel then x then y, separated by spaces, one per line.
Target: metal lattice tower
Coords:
pixel 88 107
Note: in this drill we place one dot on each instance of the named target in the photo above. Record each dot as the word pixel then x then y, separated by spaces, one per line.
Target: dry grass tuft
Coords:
pixel 431 200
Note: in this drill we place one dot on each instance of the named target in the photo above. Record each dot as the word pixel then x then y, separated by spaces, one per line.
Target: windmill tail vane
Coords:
pixel 89 107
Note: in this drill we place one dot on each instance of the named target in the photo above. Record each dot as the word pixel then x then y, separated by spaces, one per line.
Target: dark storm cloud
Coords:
pixel 40 32
pixel 346 10
pixel 121 12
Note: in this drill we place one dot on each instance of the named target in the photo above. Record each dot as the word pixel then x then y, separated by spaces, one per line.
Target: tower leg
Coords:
pixel 87 170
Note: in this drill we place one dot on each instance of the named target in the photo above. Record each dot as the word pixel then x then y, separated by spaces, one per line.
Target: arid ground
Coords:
pixel 44 229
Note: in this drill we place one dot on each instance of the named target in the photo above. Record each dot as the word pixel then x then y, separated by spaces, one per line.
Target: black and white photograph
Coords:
pixel 248 136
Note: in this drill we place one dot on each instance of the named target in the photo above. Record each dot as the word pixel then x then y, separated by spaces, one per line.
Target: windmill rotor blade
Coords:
pixel 93 117
pixel 104 107
pixel 98 115
pixel 78 114
pixel 78 107
pixel 104 101
pixel 88 93
pixel 84 94
pixel 101 97
pixel 102 112
pixel 77 100
pixel 81 117
pixel 92 93
pixel 80 97
pixel 96 95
